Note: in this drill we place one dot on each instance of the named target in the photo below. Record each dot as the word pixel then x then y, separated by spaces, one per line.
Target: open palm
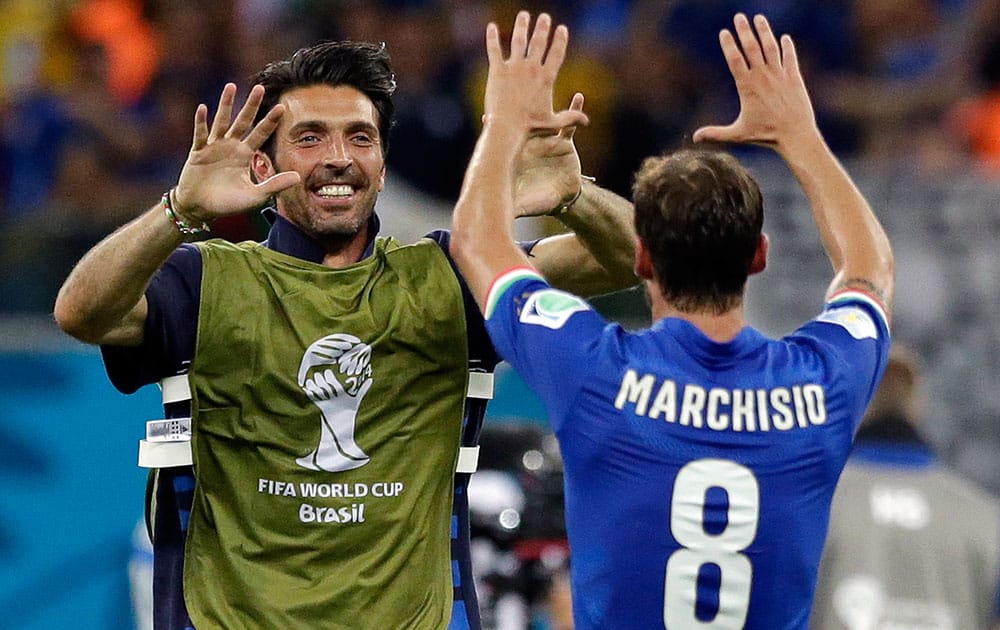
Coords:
pixel 215 180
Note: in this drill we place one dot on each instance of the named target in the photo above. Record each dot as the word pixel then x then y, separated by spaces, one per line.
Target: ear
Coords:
pixel 260 166
pixel 381 178
pixel 760 256
pixel 643 261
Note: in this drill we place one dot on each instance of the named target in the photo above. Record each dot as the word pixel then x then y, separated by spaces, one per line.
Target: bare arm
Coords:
pixel 775 111
pixel 102 300
pixel 854 240
pixel 599 256
pixel 518 102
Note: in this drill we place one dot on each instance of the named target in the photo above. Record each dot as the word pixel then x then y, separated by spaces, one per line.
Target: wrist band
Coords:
pixel 182 226
pixel 564 207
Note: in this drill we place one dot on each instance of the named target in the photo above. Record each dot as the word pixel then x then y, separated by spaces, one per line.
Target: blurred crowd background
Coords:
pixel 96 96
pixel 97 100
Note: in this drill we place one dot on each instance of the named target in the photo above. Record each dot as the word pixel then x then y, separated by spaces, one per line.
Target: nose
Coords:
pixel 337 154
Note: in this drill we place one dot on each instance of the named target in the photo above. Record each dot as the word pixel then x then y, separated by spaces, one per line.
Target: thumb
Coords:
pixel 569 118
pixel 714 133
pixel 575 105
pixel 278 182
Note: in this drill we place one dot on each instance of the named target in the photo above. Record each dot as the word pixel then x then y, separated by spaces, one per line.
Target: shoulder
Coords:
pixel 858 313
pixel 424 251
pixel 223 247
pixel 186 254
pixel 851 331
pixel 181 273
pixel 520 299
pixel 443 239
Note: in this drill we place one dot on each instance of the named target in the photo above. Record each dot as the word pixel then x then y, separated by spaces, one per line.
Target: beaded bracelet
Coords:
pixel 182 226
pixel 564 207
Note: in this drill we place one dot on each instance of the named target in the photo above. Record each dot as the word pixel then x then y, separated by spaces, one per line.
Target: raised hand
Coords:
pixel 215 180
pixel 519 88
pixel 548 169
pixel 774 103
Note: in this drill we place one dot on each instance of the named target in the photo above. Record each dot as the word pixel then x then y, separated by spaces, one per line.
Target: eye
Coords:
pixel 363 139
pixel 308 139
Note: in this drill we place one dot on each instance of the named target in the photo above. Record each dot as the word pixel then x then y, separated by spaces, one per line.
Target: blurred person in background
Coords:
pixel 75 174
pixel 32 63
pixel 433 118
pixel 909 64
pixel 325 357
pixel 911 543
pixel 657 101
pixel 976 120
pixel 700 455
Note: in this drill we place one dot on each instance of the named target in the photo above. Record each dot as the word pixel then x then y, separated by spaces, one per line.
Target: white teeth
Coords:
pixel 342 190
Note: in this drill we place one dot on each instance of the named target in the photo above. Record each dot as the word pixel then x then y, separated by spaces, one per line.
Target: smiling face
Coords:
pixel 330 137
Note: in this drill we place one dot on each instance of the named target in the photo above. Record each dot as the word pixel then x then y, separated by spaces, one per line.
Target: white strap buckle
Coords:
pixel 164 454
pixel 167 444
pixel 480 385
pixel 468 459
pixel 175 389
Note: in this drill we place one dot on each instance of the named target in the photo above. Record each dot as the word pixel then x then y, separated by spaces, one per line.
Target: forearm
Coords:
pixel 605 224
pixel 102 300
pixel 858 247
pixel 482 241
pixel 599 256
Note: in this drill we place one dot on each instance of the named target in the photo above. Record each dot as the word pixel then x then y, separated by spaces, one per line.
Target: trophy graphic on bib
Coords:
pixel 335 374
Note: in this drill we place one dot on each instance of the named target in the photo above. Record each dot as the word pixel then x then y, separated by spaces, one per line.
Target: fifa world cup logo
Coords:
pixel 335 374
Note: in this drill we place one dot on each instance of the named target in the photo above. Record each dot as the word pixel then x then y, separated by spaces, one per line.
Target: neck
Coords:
pixel 341 253
pixel 719 327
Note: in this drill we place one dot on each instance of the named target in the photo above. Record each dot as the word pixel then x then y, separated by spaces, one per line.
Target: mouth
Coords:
pixel 335 191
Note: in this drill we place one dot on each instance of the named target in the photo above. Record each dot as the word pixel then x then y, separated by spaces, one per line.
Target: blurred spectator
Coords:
pixel 434 135
pixel 120 28
pixel 977 119
pixel 107 143
pixel 910 65
pixel 200 42
pixel 657 103
pixel 32 120
pixel 911 544
pixel 74 177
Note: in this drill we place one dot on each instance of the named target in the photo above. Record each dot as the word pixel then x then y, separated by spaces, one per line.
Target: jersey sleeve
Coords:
pixel 549 337
pixel 168 345
pixel 852 332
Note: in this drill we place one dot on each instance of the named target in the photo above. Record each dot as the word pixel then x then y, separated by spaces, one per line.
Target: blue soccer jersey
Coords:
pixel 699 475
